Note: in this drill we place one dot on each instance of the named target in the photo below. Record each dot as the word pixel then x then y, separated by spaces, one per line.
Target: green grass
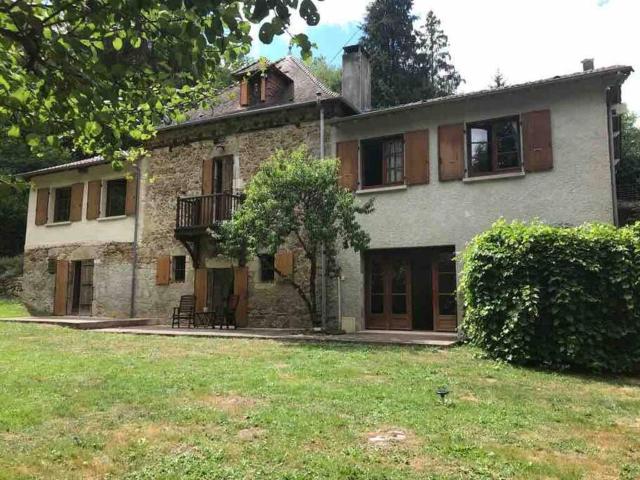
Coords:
pixel 92 405
pixel 12 308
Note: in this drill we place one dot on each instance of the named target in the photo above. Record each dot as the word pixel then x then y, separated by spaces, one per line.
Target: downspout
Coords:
pixel 612 164
pixel 134 248
pixel 323 279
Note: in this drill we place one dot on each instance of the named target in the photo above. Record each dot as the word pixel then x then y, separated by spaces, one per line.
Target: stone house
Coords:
pixel 441 170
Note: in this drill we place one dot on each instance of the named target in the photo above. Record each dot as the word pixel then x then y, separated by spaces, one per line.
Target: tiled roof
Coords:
pixel 87 162
pixel 623 70
pixel 305 89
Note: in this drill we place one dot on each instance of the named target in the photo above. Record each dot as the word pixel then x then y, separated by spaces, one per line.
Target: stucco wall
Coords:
pixel 577 190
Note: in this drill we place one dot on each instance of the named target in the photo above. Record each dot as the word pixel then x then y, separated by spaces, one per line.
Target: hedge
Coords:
pixel 557 297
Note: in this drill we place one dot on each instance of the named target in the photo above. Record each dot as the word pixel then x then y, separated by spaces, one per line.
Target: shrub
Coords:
pixel 10 266
pixel 554 296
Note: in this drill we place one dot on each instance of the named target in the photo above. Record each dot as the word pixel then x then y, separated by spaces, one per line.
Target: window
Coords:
pixel 116 195
pixel 383 161
pixel 179 268
pixel 267 270
pixel 62 205
pixel 493 146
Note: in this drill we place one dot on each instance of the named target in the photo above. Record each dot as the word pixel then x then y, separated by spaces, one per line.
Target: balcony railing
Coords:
pixel 199 213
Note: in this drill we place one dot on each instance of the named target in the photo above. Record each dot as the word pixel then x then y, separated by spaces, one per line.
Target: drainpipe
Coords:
pixel 612 165
pixel 134 248
pixel 323 279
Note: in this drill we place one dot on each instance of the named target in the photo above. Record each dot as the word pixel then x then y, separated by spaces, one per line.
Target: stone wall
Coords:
pixel 111 277
pixel 11 287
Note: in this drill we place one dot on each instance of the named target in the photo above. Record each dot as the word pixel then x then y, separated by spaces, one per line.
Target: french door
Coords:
pixel 445 311
pixel 389 292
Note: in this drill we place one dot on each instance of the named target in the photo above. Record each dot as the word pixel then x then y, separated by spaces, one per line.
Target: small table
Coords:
pixel 204 319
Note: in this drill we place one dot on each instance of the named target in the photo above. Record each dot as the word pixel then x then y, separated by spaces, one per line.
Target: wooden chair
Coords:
pixel 186 311
pixel 230 310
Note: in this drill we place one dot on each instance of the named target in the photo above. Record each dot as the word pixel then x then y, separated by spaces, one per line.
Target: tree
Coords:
pixel 498 80
pixel 433 60
pixel 101 75
pixel 389 39
pixel 408 64
pixel 629 167
pixel 328 74
pixel 295 199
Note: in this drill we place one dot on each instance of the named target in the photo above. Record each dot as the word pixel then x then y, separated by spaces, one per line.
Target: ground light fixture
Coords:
pixel 442 392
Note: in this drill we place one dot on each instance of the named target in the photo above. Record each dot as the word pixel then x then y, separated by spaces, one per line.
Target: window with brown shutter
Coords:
pixel 94 189
pixel 348 154
pixel 451 152
pixel 77 196
pixel 382 161
pixel 417 157
pixel 241 288
pixel 42 206
pixel 200 288
pixel 244 93
pixel 207 176
pixel 130 196
pixel 263 88
pixel 493 146
pixel 163 270
pixel 536 134
pixel 283 263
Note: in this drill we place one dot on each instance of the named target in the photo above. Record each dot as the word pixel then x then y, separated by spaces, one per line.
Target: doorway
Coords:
pixel 219 288
pixel 411 289
pixel 80 288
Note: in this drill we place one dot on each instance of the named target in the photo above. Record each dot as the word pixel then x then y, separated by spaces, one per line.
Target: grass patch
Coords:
pixel 12 308
pixel 91 405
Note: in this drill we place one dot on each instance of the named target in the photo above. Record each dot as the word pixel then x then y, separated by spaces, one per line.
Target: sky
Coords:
pixel 526 39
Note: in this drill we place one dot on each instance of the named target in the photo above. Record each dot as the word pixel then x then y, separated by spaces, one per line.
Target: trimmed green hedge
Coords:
pixel 554 296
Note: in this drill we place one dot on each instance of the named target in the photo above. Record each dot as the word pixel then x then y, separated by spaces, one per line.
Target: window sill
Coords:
pixel 58 224
pixel 497 176
pixel 108 219
pixel 392 188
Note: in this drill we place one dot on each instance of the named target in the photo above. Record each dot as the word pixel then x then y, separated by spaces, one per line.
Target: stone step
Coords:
pixel 88 323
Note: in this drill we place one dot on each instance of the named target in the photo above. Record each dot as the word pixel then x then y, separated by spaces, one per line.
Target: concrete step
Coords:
pixel 88 323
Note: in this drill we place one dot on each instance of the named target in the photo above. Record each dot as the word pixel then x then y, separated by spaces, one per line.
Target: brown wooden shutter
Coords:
pixel 42 206
pixel 263 89
pixel 200 288
pixel 77 196
pixel 536 133
pixel 93 199
pixel 348 155
pixel 416 156
pixel 241 289
pixel 244 93
pixel 60 292
pixel 163 270
pixel 130 197
pixel 283 263
pixel 451 152
pixel 207 176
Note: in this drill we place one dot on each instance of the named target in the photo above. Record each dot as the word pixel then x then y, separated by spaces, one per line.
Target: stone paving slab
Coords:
pixel 365 337
pixel 86 323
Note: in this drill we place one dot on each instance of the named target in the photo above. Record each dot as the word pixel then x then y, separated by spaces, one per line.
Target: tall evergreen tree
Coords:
pixel 498 80
pixel 390 40
pixel 433 67
pixel 408 64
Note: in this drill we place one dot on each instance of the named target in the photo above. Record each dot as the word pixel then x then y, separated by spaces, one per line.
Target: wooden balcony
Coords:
pixel 194 215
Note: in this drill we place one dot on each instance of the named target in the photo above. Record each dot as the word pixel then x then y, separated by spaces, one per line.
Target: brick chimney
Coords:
pixel 588 64
pixel 356 77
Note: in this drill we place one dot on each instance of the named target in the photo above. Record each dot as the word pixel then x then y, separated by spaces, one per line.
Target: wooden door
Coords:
pixel 85 284
pixel 389 293
pixel 445 311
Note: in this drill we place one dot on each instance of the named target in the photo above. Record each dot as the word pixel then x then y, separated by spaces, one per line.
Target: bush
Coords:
pixel 554 296
pixel 10 267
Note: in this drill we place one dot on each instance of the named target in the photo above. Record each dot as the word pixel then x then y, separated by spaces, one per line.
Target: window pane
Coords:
pixel 508 160
pixel 447 304
pixel 399 281
pixel 393 154
pixel 179 268
pixel 116 193
pixel 377 303
pixel 447 282
pixel 480 154
pixel 399 304
pixel 267 268
pixel 508 143
pixel 62 206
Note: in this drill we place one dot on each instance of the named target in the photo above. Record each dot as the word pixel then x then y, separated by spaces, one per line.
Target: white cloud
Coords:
pixel 526 39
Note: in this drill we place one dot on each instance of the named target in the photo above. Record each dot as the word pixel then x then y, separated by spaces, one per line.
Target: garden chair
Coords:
pixel 185 311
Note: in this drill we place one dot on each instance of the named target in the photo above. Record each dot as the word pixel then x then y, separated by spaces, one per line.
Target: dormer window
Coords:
pixel 253 91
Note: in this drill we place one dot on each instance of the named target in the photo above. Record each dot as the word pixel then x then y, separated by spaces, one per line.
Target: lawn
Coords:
pixel 12 308
pixel 92 405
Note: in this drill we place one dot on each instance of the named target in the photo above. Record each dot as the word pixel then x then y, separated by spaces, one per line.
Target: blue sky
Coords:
pixel 532 39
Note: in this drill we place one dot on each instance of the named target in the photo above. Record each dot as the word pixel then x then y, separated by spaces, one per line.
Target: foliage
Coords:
pixel 296 198
pixel 102 75
pixel 498 80
pixel 408 64
pixel 629 167
pixel 160 408
pixel 10 266
pixel 554 296
pixel 328 74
